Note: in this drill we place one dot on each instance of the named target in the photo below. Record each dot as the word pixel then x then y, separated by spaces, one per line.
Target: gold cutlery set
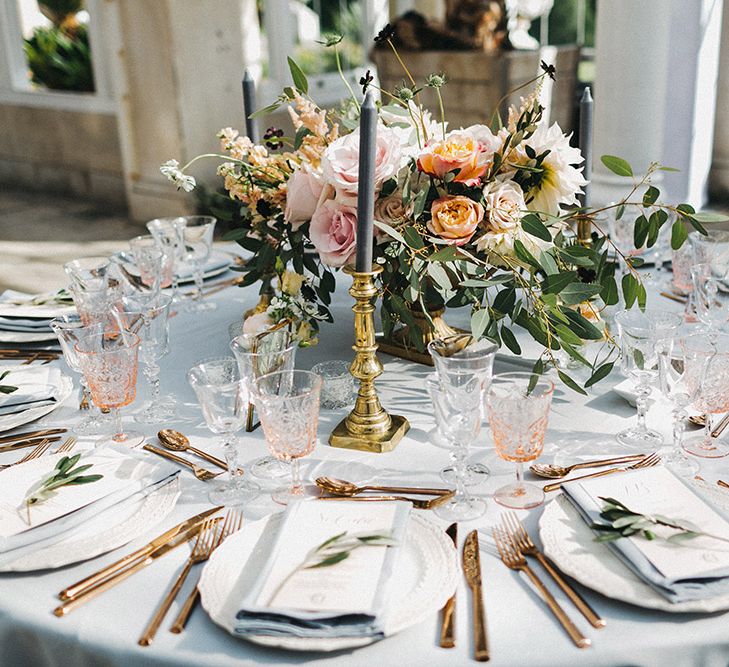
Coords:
pixel 641 461
pixel 108 577
pixel 339 489
pixel 29 356
pixel 39 443
pixel 174 441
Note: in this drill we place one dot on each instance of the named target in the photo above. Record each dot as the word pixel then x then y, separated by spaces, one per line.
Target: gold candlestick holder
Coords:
pixel 368 427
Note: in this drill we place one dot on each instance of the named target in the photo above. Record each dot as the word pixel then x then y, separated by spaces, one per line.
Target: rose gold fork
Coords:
pixel 37 451
pixel 232 523
pixel 513 559
pixel 519 536
pixel 648 462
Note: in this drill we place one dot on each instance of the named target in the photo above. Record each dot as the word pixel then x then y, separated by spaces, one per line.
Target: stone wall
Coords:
pixel 69 152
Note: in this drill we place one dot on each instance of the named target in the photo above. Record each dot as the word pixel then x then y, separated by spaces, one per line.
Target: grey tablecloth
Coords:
pixel 104 631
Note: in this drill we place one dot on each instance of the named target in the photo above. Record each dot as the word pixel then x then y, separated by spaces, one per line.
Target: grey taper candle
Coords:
pixel 249 105
pixel 585 139
pixel 366 193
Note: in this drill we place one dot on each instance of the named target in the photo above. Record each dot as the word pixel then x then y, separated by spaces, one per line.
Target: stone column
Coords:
pixel 631 65
pixel 720 166
pixel 177 77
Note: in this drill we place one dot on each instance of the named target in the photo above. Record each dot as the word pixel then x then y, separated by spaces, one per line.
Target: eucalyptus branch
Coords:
pixel 624 522
pixel 333 551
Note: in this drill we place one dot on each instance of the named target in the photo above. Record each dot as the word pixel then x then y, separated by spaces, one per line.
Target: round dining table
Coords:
pixel 104 631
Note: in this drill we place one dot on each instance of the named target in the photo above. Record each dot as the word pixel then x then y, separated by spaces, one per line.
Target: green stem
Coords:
pixel 344 78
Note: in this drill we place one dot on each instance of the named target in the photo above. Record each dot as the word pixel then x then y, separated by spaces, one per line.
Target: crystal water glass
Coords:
pixel 155 266
pixel 337 390
pixel 518 407
pixel 457 359
pixel 96 304
pixel 70 329
pixel 707 362
pixel 257 355
pixel 675 386
pixel 198 241
pixel 169 236
pixel 223 399
pixel 639 335
pixel 109 362
pixel 149 319
pixel 711 307
pixel 89 273
pixel 288 403
pixel 458 415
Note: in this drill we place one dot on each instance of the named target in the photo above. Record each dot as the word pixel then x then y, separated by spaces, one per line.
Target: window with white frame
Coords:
pixel 296 27
pixel 46 55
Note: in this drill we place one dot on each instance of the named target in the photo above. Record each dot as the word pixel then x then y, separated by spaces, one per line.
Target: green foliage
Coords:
pixel 59 60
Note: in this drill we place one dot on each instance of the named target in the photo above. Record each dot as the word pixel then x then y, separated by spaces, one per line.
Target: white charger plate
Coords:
pixel 109 530
pixel 425 577
pixel 23 337
pixel 570 543
pixel 65 387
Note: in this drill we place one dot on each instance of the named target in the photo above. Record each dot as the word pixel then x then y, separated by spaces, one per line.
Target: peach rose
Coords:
pixel 333 232
pixel 455 219
pixel 304 190
pixel 340 163
pixel 459 151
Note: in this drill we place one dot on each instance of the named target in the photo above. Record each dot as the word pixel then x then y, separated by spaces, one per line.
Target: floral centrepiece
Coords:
pixel 476 217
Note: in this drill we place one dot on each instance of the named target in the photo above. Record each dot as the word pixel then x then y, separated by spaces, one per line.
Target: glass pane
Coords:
pixel 56 43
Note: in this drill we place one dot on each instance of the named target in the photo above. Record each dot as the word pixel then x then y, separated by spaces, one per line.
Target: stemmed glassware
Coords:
pixel 639 335
pixel 168 232
pixel 155 266
pixel 707 367
pixel 457 360
pixel 149 320
pixel 518 407
pixel 70 329
pixel 673 375
pixel 90 273
pixel 458 413
pixel 710 308
pixel 198 240
pixel 288 403
pixel 224 401
pixel 109 362
pixel 257 355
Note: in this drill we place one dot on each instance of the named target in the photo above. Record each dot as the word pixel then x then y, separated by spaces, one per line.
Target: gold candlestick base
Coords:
pixel 368 427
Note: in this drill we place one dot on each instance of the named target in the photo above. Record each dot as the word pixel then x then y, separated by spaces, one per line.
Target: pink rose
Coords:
pixel 333 232
pixel 340 163
pixel 254 324
pixel 304 190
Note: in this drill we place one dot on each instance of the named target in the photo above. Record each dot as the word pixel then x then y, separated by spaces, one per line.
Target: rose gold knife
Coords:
pixel 472 570
pixel 31 434
pixel 448 624
pixel 78 589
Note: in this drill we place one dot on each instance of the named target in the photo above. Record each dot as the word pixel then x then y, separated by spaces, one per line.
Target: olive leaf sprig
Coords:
pixel 64 474
pixel 624 522
pixel 334 550
pixel 6 388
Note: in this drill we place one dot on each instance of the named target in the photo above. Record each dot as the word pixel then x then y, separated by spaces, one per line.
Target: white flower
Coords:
pixel 504 203
pixel 561 182
pixel 171 169
pixel 408 126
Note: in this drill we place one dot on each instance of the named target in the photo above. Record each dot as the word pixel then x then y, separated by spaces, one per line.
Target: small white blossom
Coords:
pixel 171 169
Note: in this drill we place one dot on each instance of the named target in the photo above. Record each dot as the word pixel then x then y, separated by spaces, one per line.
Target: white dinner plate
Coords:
pixel 570 543
pixel 26 337
pixel 425 577
pixel 218 262
pixel 109 530
pixel 7 422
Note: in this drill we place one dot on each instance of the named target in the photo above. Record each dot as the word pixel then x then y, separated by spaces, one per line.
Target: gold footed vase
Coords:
pixel 399 344
pixel 368 427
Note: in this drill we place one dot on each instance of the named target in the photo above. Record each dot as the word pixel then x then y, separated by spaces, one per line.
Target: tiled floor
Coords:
pixel 38 233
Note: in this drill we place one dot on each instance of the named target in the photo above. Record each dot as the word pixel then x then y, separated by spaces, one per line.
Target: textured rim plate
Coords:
pixel 88 542
pixel 216 258
pixel 65 387
pixel 22 337
pixel 568 541
pixel 425 576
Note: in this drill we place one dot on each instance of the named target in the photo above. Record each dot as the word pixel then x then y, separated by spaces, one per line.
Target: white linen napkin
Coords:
pixel 37 386
pixel 690 570
pixel 42 311
pixel 347 599
pixel 125 473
